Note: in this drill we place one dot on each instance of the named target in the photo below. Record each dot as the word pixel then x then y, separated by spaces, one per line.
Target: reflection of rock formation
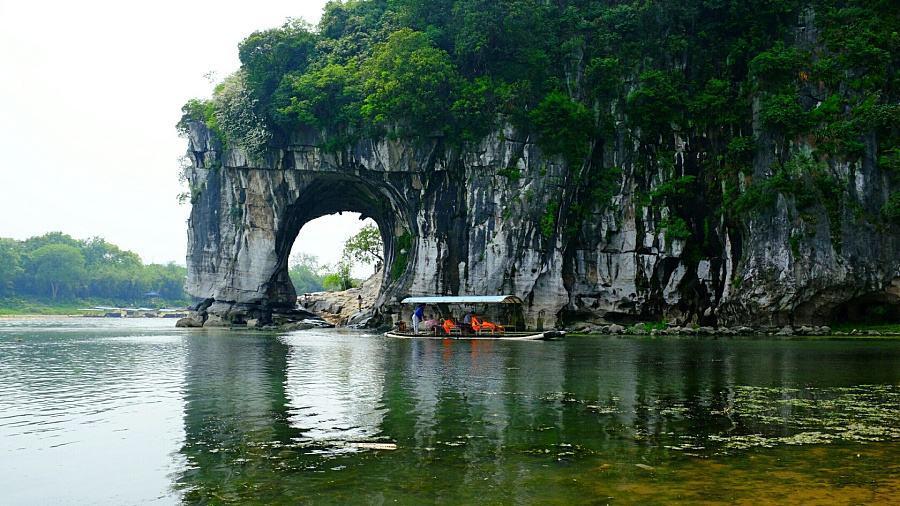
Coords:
pixel 235 407
pixel 334 386
pixel 256 405
pixel 272 416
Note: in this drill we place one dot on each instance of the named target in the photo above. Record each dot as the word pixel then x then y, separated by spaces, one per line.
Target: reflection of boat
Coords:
pixel 475 328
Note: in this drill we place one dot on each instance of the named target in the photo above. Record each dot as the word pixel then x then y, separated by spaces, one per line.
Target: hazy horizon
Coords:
pixel 90 101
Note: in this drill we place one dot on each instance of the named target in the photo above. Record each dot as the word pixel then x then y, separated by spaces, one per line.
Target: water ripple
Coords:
pixel 65 382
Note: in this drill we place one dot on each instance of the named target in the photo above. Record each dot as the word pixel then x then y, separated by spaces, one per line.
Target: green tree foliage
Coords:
pixel 411 64
pixel 409 84
pixel 340 279
pixel 58 267
pixel 328 99
pixel 348 30
pixel 784 113
pixel 306 274
pixel 10 264
pixel 549 219
pixel 564 126
pixel 237 115
pixel 198 110
pixel 267 56
pixel 891 209
pixel 401 258
pixel 777 66
pixel 366 246
pixel 657 103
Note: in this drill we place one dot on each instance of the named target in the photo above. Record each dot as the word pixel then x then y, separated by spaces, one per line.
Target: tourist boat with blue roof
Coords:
pixel 471 326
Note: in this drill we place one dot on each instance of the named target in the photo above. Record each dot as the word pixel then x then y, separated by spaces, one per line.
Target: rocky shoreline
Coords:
pixel 613 329
pixel 354 307
pixel 647 329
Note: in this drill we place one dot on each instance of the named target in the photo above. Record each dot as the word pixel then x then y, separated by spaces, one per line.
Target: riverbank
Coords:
pixel 14 317
pixel 37 309
pixel 664 329
pixel 14 307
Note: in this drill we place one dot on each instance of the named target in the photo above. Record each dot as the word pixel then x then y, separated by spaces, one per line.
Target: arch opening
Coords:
pixel 319 249
pixel 328 282
pixel 337 193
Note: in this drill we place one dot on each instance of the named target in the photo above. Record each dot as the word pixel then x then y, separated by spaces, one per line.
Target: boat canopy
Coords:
pixel 464 299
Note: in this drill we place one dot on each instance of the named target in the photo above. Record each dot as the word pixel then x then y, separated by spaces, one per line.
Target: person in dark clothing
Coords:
pixel 418 316
pixel 467 320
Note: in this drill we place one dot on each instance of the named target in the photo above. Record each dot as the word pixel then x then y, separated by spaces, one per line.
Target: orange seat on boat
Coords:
pixel 448 326
pixel 479 325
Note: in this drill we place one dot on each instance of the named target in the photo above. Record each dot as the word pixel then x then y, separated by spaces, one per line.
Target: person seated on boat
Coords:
pixel 467 320
pixel 418 316
pixel 431 323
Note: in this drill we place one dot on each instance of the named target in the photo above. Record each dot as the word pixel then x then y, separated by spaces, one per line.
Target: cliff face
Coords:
pixel 500 219
pixel 757 219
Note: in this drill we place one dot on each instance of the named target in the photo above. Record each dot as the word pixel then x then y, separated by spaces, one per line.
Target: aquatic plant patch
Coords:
pixel 768 417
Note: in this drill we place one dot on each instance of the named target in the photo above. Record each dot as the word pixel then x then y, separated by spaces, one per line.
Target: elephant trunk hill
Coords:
pixel 710 163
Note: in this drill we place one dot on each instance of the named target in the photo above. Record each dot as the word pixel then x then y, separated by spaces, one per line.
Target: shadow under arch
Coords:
pixel 335 192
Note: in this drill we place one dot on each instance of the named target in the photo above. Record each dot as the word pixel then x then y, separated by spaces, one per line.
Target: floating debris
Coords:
pixel 375 446
pixel 603 410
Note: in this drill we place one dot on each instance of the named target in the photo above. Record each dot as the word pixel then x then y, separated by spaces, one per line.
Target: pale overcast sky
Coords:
pixel 90 92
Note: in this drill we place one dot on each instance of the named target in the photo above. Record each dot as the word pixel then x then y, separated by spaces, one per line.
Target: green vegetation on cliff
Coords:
pixel 731 77
pixel 56 271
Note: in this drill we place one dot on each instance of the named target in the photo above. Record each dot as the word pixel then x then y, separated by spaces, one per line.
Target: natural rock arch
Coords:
pixel 247 214
pixel 446 208
pixel 331 193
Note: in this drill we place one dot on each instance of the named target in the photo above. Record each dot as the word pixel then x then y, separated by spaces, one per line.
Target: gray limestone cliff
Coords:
pixel 501 217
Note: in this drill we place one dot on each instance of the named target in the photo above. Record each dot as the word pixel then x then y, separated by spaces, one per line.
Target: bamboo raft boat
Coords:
pixel 506 336
pixel 497 332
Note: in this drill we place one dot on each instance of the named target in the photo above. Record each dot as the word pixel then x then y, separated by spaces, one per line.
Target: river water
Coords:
pixel 96 411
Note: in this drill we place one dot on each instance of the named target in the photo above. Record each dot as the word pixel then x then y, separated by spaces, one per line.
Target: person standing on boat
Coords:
pixel 418 315
pixel 467 320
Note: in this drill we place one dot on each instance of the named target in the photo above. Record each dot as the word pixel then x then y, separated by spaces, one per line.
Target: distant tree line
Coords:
pixel 309 276
pixel 56 267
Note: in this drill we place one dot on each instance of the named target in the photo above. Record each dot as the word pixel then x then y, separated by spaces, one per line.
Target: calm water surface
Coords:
pixel 137 412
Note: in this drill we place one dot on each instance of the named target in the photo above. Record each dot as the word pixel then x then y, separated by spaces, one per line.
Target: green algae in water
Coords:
pixel 867 413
